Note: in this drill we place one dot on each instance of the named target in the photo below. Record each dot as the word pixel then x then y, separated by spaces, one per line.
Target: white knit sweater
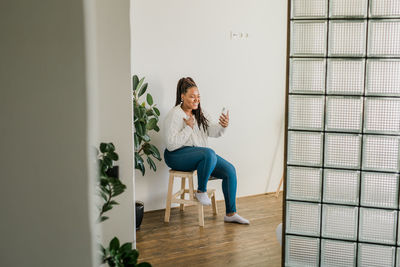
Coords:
pixel 179 134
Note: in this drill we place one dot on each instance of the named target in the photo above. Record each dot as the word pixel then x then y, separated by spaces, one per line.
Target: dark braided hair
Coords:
pixel 183 85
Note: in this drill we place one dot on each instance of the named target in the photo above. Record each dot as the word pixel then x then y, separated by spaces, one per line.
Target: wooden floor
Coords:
pixel 183 243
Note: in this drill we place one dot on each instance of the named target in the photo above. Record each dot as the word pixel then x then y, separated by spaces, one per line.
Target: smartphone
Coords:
pixel 224 111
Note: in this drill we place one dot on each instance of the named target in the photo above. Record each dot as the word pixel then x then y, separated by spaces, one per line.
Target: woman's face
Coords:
pixel 191 99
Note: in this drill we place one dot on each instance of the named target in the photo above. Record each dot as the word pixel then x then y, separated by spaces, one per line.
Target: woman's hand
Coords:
pixel 224 120
pixel 189 121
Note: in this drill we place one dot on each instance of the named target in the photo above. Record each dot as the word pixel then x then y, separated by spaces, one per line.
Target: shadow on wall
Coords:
pixel 276 154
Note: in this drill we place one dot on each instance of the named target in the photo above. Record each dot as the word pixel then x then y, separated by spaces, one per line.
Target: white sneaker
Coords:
pixel 203 198
pixel 236 219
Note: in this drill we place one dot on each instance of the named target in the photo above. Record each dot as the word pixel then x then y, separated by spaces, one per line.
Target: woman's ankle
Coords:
pixel 230 214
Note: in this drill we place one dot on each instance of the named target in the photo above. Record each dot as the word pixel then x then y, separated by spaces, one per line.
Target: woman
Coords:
pixel 187 130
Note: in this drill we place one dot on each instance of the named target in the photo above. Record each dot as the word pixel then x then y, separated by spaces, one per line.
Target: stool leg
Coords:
pixel 183 185
pixel 214 204
pixel 191 187
pixel 169 196
pixel 201 215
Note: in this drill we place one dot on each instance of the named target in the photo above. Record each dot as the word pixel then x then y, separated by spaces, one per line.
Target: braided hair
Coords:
pixel 183 85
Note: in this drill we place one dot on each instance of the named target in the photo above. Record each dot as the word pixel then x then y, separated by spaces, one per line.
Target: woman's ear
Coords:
pixel 182 95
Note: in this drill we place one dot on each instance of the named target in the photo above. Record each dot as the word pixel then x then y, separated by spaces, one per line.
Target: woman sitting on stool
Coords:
pixel 187 130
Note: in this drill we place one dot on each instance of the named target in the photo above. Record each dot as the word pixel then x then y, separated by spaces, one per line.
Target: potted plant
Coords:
pixel 108 187
pixel 145 120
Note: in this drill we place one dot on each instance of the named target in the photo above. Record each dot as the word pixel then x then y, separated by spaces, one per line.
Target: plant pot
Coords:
pixel 139 213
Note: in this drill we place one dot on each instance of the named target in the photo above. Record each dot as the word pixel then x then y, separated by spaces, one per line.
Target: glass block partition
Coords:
pixel 342 163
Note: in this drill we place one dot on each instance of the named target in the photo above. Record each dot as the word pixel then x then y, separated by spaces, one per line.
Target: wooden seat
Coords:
pixel 179 197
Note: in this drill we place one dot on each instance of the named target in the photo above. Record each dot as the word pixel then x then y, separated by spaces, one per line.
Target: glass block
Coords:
pixel 309 9
pixel 345 76
pixel 342 150
pixel 341 186
pixel 307 76
pixel 304 183
pixel 339 222
pixel 382 115
pixel 380 153
pixel 346 8
pixel 384 8
pixel 379 189
pixel 338 253
pixel 384 38
pixel 305 148
pixel 398 235
pixel 301 251
pixel 347 38
pixel 398 258
pixel 378 226
pixel 375 255
pixel 344 114
pixel 303 218
pixel 306 112
pixel 383 77
pixel 308 38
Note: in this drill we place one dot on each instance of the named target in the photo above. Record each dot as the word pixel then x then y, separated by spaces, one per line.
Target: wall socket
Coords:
pixel 239 35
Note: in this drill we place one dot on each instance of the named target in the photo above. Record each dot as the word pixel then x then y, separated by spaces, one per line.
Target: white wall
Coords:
pixel 44 198
pixel 176 38
pixel 115 107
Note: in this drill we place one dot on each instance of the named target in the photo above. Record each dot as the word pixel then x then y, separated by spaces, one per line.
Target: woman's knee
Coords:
pixel 228 172
pixel 209 154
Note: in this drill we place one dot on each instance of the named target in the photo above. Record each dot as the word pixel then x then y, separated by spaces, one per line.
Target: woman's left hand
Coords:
pixel 224 120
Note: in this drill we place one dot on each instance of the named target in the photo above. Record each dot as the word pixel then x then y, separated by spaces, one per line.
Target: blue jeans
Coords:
pixel 207 163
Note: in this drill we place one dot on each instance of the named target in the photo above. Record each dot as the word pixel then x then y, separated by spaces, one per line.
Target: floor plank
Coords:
pixel 181 242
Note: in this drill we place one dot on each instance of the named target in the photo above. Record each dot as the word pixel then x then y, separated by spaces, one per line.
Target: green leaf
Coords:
pixel 103 147
pixel 151 124
pixel 139 163
pixel 155 151
pixel 146 149
pixel 149 99
pixel 135 82
pixel 142 111
pixel 137 142
pixel 102 249
pixel 108 162
pixel 136 111
pixel 156 111
pixel 106 208
pixel 142 90
pixel 156 128
pixel 151 163
pixel 113 156
pixel 140 128
pixel 138 158
pixel 114 244
pixel 118 189
pixel 111 147
pixel 149 112
pixel 140 83
pixel 103 218
pixel 142 168
pixel 127 247
pixel 104 196
pixel 103 182
pixel 113 202
pixel 146 138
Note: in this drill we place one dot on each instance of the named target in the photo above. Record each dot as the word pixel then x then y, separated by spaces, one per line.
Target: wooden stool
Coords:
pixel 179 197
